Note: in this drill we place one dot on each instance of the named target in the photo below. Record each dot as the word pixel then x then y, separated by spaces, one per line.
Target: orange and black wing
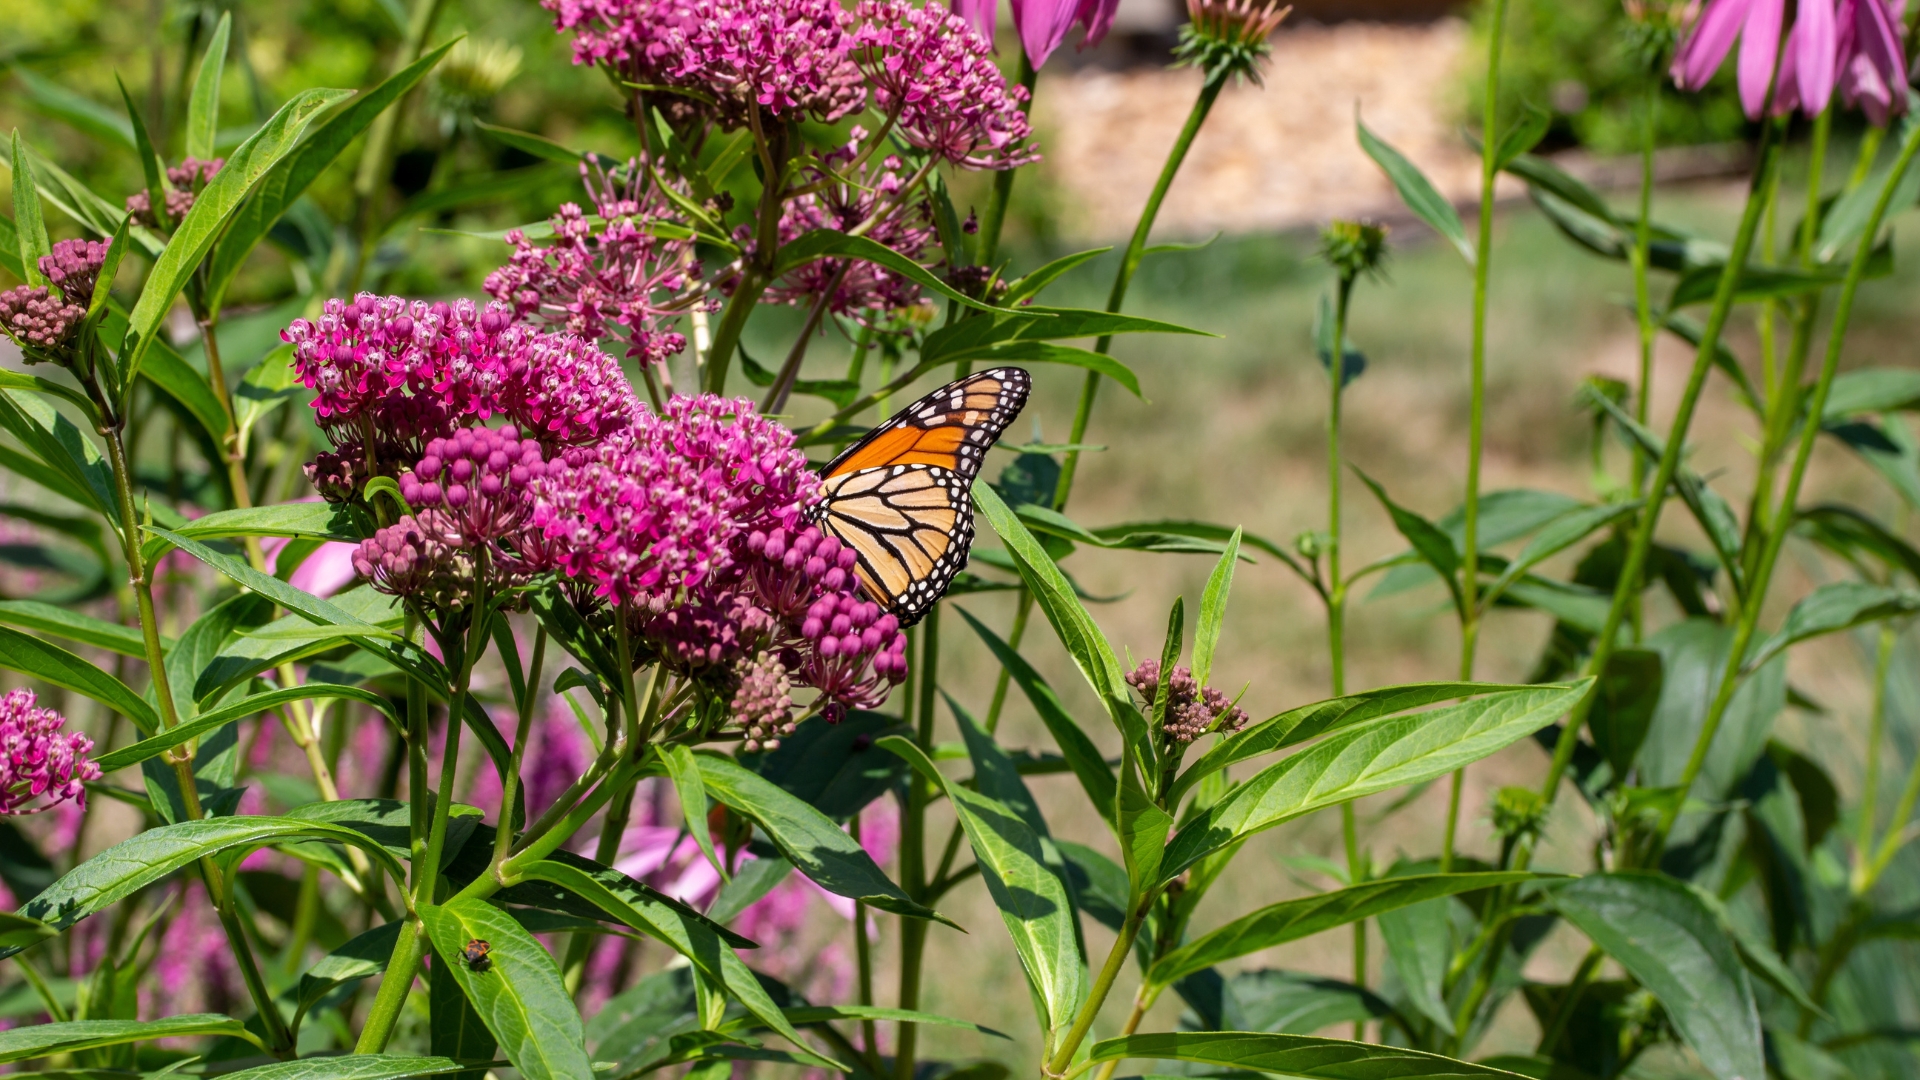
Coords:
pixel 910 524
pixel 949 429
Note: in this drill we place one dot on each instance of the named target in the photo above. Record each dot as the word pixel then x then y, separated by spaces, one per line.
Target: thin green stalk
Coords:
pixel 995 218
pixel 913 854
pixel 377 155
pixel 1102 986
pixel 1022 612
pixel 1803 454
pixel 1863 163
pixel 1477 395
pixel 523 728
pixel 1896 835
pixel 1337 602
pixel 790 371
pixel 41 988
pixel 1130 262
pixel 279 1039
pixel 1876 736
pixel 863 958
pixel 726 335
pixel 1642 284
pixel 1634 565
pixel 1563 1010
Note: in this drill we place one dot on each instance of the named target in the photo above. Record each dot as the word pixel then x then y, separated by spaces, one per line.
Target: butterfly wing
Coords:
pixel 911 526
pixel 950 428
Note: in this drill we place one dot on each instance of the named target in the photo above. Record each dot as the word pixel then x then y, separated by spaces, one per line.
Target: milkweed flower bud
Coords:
pixel 479 480
pixel 44 318
pixel 763 704
pixel 185 182
pixel 1192 710
pixel 41 766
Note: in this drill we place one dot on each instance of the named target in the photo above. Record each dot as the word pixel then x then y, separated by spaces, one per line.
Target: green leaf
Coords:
pixel 685 932
pixel 14 380
pixel 1083 757
pixel 309 520
pixel 1665 937
pixel 1831 608
pixel 281 593
pixel 1420 944
pixel 362 957
pixel 520 995
pixel 830 243
pixel 1847 220
pixel 167 370
pixel 1433 545
pixel 1872 390
pixel 835 767
pixel 809 1015
pixel 455 1028
pixel 284 183
pixel 809 839
pixel 1294 1055
pixel 1360 761
pixel 1709 509
pixel 1692 332
pixel 73 1036
pixel 150 856
pixel 1076 629
pixel 30 228
pixel 61 622
pixel 1559 534
pixel 1305 722
pixel 537 145
pixel 78 471
pixel 352 1067
pixel 1031 897
pixel 1292 920
pixel 151 167
pixel 1213 611
pixel 203 107
pixel 18 931
pixel 1032 282
pixel 1044 352
pixel 1623 706
pixel 1759 282
pixel 685 772
pixel 82 112
pixel 983 335
pixel 227 714
pixel 196 233
pixel 1524 136
pixel 51 663
pixel 1417 191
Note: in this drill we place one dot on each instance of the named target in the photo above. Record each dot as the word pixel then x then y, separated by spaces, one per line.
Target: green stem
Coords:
pixel 377 156
pixel 995 218
pixel 1634 565
pixel 863 957
pixel 1102 986
pixel 1130 262
pixel 1776 535
pixel 1563 1010
pixel 1022 612
pixel 1336 602
pixel 395 983
pixel 1895 836
pixel 523 729
pixel 913 841
pixel 1642 286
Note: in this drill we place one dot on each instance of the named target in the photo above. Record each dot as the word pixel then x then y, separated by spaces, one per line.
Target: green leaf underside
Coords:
pixel 353 1067
pixel 1293 1055
pixel 43 1040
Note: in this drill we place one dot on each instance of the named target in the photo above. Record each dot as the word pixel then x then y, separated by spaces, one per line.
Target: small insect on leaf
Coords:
pixel 476 954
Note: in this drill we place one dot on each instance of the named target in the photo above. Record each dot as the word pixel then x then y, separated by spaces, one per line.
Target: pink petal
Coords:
pixel 1877 26
pixel 1713 36
pixel 983 14
pixel 326 571
pixel 1097 17
pixel 1759 45
pixel 1043 25
pixel 1817 54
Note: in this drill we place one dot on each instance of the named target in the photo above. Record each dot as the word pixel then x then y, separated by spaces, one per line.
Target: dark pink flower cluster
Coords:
pixel 1192 709
pixel 934 78
pixel 408 558
pixel 45 318
pixel 594 275
pixel 847 196
pixel 858 652
pixel 627 37
pixel 476 484
pixel 185 181
pixel 787 57
pixel 391 374
pixel 41 766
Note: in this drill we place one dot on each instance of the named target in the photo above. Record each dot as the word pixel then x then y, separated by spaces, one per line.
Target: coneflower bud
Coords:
pixel 1228 38
pixel 1354 248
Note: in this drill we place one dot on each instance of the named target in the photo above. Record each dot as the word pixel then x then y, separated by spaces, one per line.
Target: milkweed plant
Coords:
pixel 516 722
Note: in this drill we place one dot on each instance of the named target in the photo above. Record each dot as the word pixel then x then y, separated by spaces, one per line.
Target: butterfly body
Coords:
pixel 901 496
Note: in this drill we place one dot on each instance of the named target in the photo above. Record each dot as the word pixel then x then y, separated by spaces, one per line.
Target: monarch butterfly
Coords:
pixel 900 497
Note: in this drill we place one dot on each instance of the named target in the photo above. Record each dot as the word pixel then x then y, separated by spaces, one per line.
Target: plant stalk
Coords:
pixel 994 220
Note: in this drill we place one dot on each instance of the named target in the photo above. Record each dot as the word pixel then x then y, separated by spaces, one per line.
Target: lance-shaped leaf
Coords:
pixel 71 465
pixel 30 228
pixel 685 772
pixel 1291 920
pixel 829 243
pixel 1306 722
pixel 1429 541
pixel 51 663
pixel 519 994
pixel 1715 517
pixel 147 857
pixel 682 930
pixel 203 105
pixel 1069 619
pixel 1294 1055
pixel 1666 938
pixel 1213 611
pixel 287 180
pixel 169 371
pixel 353 1067
pixel 73 1036
pixel 297 600
pixel 227 714
pixel 203 224
pixel 1371 758
pixel 1088 765
pixel 1417 191
pixel 1031 283
pixel 809 839
pixel 1559 534
pixel 1031 897
pixel 1832 608
pixel 61 622
pixel 362 957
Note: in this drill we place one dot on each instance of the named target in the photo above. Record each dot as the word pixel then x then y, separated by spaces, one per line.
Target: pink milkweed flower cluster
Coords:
pixel 595 275
pixel 41 766
pixel 1192 709
pixel 185 182
pixel 853 197
pixel 1855 46
pixel 1042 24
pixel 390 375
pixel 44 318
pixel 925 69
